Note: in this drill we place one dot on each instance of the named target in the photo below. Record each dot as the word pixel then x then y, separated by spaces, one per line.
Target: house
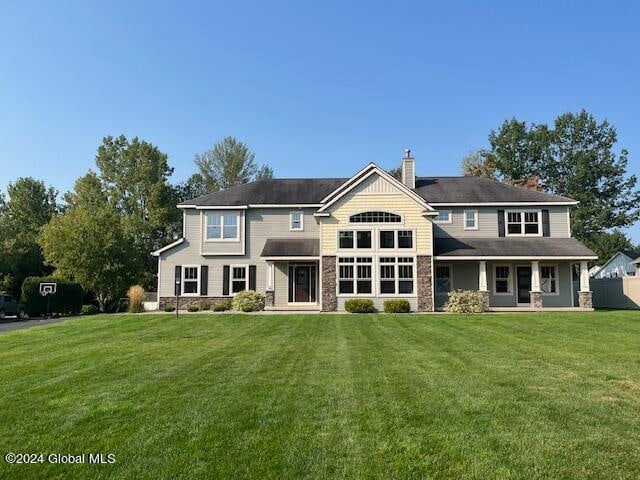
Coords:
pixel 619 265
pixel 636 264
pixel 311 244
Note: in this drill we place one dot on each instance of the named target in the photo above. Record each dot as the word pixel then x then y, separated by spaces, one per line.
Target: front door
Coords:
pixel 524 284
pixel 302 283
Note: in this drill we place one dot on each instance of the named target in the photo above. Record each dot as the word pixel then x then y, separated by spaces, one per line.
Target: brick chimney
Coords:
pixel 408 176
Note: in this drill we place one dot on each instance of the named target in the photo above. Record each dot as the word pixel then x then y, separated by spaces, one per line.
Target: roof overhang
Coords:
pixel 361 176
pixel 513 257
pixel 167 247
pixel 501 204
pixel 291 258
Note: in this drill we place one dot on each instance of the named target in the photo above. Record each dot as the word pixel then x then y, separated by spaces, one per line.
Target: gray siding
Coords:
pixel 488 222
pixel 465 277
pixel 261 224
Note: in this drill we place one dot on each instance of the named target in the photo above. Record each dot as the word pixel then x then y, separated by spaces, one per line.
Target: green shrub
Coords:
pixel 66 301
pixel 248 301
pixel 89 310
pixel 193 308
pixel 359 305
pixel 136 297
pixel 222 306
pixel 397 306
pixel 203 305
pixel 169 308
pixel 466 301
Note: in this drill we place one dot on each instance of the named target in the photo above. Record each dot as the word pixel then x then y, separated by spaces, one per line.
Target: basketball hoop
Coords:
pixel 48 288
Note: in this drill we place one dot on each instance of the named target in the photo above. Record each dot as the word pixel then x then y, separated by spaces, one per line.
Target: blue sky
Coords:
pixel 314 88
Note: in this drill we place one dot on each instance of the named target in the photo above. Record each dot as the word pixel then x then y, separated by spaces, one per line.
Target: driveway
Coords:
pixel 11 324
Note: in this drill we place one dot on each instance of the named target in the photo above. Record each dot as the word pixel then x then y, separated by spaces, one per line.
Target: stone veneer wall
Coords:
pixel 329 298
pixel 536 300
pixel 186 302
pixel 425 279
pixel 269 298
pixel 585 299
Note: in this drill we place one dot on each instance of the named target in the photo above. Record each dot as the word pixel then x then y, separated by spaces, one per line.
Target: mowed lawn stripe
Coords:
pixel 327 396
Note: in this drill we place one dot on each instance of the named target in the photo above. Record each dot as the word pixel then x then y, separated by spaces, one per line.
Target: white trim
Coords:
pixel 208 239
pixel 160 283
pixel 435 279
pixel 523 222
pixel 499 204
pixel 362 175
pixel 515 292
pixel 317 292
pixel 512 257
pixel 568 223
pixel 396 267
pixel 157 253
pixel 440 222
pixel 301 229
pixel 182 279
pixel 509 279
pixel 284 205
pixel 246 277
pixel 556 268
pixel 355 277
pixel 285 259
pixel 475 218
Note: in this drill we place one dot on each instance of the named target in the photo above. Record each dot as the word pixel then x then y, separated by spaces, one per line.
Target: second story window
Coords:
pixel 470 219
pixel 357 239
pixel 296 219
pixel 444 216
pixel 222 226
pixel 375 217
pixel 523 223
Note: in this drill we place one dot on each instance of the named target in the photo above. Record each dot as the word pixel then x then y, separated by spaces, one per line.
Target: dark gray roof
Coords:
pixel 313 190
pixel 291 247
pixel 511 247
pixel 632 254
pixel 477 190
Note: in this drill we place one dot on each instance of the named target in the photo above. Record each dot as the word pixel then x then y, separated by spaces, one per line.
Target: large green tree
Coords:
pixel 135 178
pixel 90 244
pixel 229 163
pixel 30 205
pixel 575 158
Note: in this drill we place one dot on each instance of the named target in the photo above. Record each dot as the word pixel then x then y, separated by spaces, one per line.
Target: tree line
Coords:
pixel 100 234
pixel 573 158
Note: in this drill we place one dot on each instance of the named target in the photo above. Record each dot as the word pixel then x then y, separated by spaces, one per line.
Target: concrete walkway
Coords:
pixel 11 324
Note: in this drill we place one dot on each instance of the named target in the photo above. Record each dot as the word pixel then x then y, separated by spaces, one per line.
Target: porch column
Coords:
pixel 535 294
pixel 585 299
pixel 482 281
pixel 269 295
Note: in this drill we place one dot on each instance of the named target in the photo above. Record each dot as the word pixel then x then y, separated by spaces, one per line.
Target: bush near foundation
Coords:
pixel 248 301
pixel 359 305
pixel 466 301
pixel 397 306
pixel 193 308
pixel 222 306
pixel 169 308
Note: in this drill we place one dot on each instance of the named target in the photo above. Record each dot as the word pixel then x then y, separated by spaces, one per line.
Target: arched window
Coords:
pixel 375 217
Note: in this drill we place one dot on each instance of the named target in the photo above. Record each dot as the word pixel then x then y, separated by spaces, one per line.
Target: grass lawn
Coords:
pixel 553 395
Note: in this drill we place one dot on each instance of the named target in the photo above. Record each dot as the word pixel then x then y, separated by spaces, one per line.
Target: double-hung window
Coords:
pixel 222 226
pixel 470 219
pixel 443 279
pixel 355 275
pixel 396 275
pixel 502 280
pixel 523 223
pixel 296 219
pixel 190 280
pixel 444 216
pixel 239 279
pixel 548 279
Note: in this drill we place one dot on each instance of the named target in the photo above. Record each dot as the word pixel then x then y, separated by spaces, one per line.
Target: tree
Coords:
pixel 229 163
pixel 476 164
pixel 134 176
pixel 89 244
pixel 575 159
pixel 606 244
pixel 30 206
pixel 192 187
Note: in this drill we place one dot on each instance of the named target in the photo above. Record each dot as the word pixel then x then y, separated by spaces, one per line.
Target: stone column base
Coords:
pixel 536 300
pixel 329 298
pixel 585 299
pixel 269 298
pixel 485 294
pixel 424 278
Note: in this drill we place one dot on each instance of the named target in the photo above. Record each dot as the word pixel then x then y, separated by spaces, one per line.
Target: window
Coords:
pixel 405 239
pixel 296 221
pixel 354 275
pixel 396 275
pixel 346 239
pixel 190 280
pixel 470 219
pixel 222 226
pixel 363 238
pixel 444 216
pixel 239 279
pixel 523 223
pixel 502 280
pixel 443 279
pixel 548 279
pixel 375 217
pixel 387 239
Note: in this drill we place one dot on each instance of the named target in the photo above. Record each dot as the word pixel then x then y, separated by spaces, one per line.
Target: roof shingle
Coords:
pixel 511 247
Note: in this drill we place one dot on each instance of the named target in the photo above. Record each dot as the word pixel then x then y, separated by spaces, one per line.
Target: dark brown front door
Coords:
pixel 303 285
pixel 524 284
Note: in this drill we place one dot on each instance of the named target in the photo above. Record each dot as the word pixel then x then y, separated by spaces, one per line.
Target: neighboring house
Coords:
pixel 636 263
pixel 313 243
pixel 620 265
